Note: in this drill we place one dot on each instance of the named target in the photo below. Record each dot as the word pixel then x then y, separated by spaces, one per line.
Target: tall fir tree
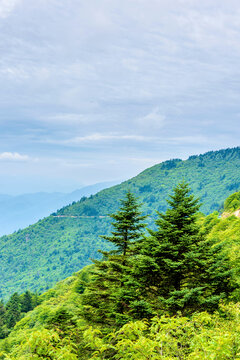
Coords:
pixel 108 297
pixel 127 225
pixel 13 313
pixel 177 268
pixel 26 302
pixel 171 265
pixel 3 328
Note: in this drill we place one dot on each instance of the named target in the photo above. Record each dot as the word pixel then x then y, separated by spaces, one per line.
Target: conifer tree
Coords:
pixel 13 313
pixel 171 265
pixel 178 269
pixel 108 296
pixel 127 225
pixel 3 329
pixel 26 302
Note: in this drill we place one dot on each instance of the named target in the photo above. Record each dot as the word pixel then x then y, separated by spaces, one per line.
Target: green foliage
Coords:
pixel 55 247
pixel 52 329
pixel 127 225
pixel 27 302
pixel 190 262
pixel 15 309
pixel 201 337
pixel 174 269
pixel 225 237
pixel 108 296
pixel 56 330
pixel 232 203
pixel 13 312
pixel 49 251
pixel 44 344
pixel 176 253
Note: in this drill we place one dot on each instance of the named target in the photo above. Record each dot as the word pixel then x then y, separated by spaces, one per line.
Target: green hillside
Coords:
pixel 55 330
pixel 58 329
pixel 232 203
pixel 37 257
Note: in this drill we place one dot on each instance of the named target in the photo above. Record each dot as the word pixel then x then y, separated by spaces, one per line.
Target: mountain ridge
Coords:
pixel 55 247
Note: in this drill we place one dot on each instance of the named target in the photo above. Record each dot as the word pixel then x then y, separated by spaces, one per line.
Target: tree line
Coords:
pixel 15 308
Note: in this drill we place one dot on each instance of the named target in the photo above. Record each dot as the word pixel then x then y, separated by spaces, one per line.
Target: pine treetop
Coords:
pixel 127 224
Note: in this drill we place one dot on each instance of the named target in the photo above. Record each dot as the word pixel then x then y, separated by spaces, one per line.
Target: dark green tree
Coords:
pixel 26 302
pixel 178 269
pixel 127 225
pixel 108 297
pixel 2 310
pixel 13 313
pixel 171 266
pixel 3 328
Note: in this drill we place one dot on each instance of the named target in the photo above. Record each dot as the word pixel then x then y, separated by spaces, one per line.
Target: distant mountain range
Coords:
pixel 37 257
pixel 18 212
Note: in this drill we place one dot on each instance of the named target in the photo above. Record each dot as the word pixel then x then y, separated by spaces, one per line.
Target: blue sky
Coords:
pixel 94 91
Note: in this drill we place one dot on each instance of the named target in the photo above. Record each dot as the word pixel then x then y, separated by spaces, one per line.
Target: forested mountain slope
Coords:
pixel 38 256
pixel 57 328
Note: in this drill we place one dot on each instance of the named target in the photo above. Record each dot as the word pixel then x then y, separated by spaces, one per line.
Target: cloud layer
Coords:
pixel 93 85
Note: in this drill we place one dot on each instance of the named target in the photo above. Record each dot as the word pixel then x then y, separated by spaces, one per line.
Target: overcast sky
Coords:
pixel 99 90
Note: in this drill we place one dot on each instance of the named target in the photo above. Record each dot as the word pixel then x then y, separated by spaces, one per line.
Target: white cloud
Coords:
pixel 13 156
pixel 97 137
pixel 194 139
pixel 67 118
pixel 7 6
pixel 100 137
pixel 154 119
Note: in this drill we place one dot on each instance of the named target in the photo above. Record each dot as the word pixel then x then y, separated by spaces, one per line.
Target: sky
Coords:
pixel 94 91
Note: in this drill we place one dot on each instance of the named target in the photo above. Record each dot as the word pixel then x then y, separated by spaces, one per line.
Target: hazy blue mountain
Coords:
pixel 20 211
